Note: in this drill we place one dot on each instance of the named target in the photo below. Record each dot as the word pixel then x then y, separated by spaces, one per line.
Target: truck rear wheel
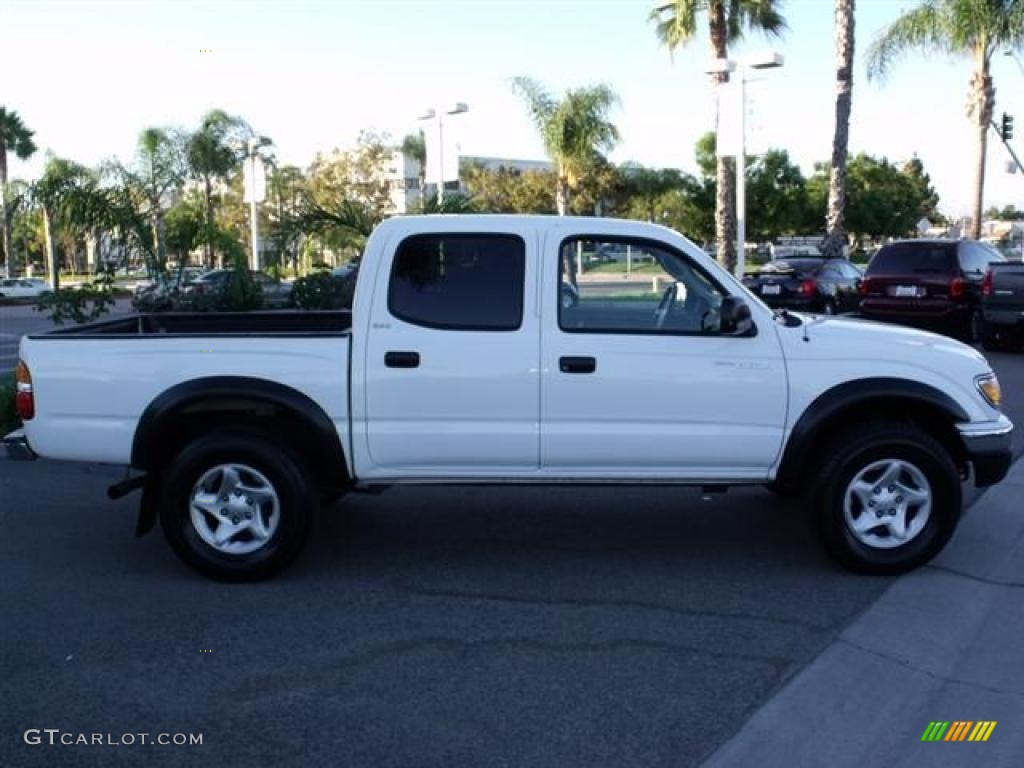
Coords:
pixel 887 498
pixel 237 506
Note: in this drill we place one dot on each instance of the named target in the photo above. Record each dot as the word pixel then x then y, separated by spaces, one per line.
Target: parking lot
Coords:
pixel 424 626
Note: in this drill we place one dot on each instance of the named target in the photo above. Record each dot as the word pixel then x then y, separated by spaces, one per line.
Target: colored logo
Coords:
pixel 959 730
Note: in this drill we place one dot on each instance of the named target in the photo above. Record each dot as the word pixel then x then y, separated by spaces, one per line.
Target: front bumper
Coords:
pixel 989 450
pixel 17 447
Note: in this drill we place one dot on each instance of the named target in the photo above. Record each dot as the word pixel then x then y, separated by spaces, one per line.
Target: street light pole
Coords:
pixel 739 150
pixel 456 109
pixel 741 178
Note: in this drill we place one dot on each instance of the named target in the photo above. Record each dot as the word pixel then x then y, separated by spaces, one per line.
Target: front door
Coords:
pixel 637 378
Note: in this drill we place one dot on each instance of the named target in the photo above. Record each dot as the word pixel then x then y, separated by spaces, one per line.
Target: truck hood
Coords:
pixel 823 337
pixel 824 351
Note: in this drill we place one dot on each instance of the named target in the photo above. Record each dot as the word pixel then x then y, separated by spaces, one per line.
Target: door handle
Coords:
pixel 577 364
pixel 402 359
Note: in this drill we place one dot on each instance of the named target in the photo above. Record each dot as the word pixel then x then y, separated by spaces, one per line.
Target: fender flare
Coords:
pixel 235 393
pixel 851 394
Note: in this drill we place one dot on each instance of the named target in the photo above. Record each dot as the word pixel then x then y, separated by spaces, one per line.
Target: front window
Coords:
pixel 670 294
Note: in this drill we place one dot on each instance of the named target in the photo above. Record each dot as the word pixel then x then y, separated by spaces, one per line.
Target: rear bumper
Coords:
pixel 1011 317
pixel 989 449
pixel 17 448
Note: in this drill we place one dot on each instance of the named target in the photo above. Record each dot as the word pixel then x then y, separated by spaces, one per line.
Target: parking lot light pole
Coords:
pixel 771 60
pixel 457 108
pixel 254 193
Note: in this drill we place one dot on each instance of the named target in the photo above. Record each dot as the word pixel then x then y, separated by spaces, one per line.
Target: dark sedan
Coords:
pixel 808 284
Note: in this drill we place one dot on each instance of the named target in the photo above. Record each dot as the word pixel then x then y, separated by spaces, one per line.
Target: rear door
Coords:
pixel 452 382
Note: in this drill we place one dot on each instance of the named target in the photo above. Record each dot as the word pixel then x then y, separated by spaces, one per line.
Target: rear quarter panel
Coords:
pixel 90 393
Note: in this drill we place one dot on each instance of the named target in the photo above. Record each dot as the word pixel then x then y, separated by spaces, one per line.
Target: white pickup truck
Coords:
pixel 477 352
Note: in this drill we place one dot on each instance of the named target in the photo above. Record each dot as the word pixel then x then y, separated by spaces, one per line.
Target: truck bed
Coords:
pixel 93 382
pixel 296 323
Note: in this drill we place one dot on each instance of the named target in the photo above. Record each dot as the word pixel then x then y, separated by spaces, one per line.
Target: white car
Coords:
pixel 462 362
pixel 22 288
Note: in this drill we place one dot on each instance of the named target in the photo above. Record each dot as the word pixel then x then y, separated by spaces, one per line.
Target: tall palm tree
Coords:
pixel 974 28
pixel 16 138
pixel 212 154
pixel 835 225
pixel 676 25
pixel 575 130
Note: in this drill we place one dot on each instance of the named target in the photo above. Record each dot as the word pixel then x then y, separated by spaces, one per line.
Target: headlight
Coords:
pixel 988 385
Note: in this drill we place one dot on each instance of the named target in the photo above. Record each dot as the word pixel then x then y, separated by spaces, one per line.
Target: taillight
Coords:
pixel 986 284
pixel 808 288
pixel 956 287
pixel 864 286
pixel 24 400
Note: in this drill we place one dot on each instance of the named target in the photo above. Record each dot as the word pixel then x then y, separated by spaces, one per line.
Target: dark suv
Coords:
pixel 931 284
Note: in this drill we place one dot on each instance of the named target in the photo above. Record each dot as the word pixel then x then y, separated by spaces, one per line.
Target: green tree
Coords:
pixel 575 130
pixel 975 28
pixel 648 186
pixel 15 138
pixel 676 25
pixel 883 200
pixel 212 153
pixel 158 173
pixel 835 231
pixel 777 196
pixel 508 190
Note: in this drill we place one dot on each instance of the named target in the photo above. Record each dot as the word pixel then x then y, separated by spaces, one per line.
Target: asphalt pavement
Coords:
pixel 443 626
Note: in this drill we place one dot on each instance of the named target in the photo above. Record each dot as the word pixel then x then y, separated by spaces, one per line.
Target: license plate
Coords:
pixel 771 290
pixel 905 291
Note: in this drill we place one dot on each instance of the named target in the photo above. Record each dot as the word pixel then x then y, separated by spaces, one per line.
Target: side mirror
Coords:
pixel 734 317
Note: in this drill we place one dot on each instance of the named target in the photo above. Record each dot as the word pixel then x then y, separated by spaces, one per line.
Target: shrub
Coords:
pixel 9 420
pixel 82 304
pixel 323 290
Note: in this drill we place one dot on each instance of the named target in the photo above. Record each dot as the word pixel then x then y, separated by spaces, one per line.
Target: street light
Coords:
pixel 255 191
pixel 768 60
pixel 457 108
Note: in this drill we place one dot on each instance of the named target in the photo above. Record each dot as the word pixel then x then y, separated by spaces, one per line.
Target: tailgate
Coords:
pixel 1006 290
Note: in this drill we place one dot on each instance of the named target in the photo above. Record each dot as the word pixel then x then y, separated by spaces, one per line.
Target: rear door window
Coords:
pixel 909 259
pixel 459 281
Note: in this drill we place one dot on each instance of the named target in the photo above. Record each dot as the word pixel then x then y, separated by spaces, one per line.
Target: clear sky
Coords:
pixel 88 76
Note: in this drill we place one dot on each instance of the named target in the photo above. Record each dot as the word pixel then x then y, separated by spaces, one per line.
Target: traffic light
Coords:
pixel 1006 128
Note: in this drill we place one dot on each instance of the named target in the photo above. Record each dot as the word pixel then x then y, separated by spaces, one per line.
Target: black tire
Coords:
pixel 828 307
pixel 288 477
pixel 993 339
pixel 972 330
pixel 855 450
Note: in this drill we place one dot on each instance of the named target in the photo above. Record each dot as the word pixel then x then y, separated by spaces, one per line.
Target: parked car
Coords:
pixel 932 284
pixel 819 285
pixel 1002 306
pixel 161 294
pixel 460 364
pixel 22 288
pixel 275 293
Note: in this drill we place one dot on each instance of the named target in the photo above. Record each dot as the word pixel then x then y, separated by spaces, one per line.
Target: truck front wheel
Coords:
pixel 236 506
pixel 887 498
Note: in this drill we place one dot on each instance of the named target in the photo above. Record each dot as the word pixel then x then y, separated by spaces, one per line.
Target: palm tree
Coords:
pixel 835 228
pixel 975 28
pixel 158 172
pixel 17 139
pixel 415 146
pixel 211 156
pixel 575 130
pixel 676 25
